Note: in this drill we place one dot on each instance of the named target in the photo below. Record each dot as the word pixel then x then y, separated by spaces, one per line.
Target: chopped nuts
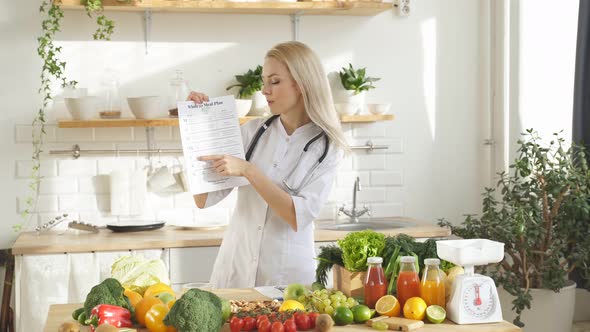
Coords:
pixel 249 306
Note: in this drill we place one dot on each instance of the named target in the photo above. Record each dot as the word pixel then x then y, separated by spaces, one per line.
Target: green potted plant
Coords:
pixel 53 69
pixel 540 210
pixel 250 97
pixel 356 84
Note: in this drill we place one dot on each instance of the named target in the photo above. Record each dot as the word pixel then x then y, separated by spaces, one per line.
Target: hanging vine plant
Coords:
pixel 53 69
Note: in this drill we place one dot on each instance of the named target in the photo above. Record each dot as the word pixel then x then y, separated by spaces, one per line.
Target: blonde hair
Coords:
pixel 307 70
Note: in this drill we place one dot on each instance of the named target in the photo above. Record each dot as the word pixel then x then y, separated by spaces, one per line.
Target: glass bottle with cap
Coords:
pixel 408 283
pixel 432 286
pixel 179 91
pixel 375 282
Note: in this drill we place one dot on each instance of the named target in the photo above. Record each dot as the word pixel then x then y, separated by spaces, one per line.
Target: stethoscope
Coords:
pixel 307 177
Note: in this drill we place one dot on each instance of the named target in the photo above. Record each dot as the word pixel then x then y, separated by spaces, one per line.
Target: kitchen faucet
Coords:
pixel 353 214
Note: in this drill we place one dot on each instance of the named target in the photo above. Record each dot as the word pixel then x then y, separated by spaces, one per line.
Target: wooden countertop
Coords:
pixel 29 243
pixel 59 313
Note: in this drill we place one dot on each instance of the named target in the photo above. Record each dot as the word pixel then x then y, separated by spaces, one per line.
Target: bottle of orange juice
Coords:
pixel 432 287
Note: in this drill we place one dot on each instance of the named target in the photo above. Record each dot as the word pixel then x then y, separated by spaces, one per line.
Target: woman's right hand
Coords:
pixel 197 97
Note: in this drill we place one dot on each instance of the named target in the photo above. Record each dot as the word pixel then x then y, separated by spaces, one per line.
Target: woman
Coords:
pixel 270 237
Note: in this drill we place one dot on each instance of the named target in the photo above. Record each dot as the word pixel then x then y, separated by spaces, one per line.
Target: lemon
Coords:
pixel 291 305
pixel 415 308
pixel 388 305
pixel 436 314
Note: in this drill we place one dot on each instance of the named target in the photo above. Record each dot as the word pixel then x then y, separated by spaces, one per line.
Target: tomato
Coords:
pixel 236 324
pixel 312 317
pixel 264 326
pixel 260 319
pixel 303 322
pixel 154 319
pixel 143 306
pixel 290 325
pixel 249 323
pixel 277 327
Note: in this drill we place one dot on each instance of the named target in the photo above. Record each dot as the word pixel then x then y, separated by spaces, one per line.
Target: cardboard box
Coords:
pixel 350 283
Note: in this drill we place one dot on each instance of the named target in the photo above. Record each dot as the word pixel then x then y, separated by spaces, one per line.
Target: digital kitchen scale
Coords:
pixel 474 297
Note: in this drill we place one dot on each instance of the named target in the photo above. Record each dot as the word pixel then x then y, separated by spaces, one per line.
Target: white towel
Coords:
pixel 128 192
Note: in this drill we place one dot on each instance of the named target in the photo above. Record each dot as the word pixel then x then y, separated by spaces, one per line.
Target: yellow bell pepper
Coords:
pixel 154 319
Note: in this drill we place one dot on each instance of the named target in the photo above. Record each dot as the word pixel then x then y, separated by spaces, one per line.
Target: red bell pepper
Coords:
pixel 109 314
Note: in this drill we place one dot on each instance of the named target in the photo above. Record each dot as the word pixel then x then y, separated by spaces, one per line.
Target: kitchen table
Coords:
pixel 59 313
pixel 62 268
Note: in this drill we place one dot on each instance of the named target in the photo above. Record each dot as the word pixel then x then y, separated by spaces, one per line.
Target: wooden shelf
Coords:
pixel 366 118
pixel 173 122
pixel 352 8
pixel 127 122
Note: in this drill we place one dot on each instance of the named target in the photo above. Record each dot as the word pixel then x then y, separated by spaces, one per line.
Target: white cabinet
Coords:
pixel 42 280
pixel 191 265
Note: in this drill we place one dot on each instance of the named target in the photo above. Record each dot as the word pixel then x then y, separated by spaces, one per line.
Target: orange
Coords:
pixel 158 288
pixel 415 308
pixel 144 306
pixel 388 305
pixel 134 297
pixel 170 304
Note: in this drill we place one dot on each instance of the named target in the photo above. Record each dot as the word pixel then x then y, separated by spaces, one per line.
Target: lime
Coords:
pixel 373 312
pixel 381 326
pixel 361 313
pixel 343 316
pixel 436 314
pixel 225 310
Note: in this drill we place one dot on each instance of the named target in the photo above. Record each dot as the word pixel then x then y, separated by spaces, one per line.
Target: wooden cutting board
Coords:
pixel 398 323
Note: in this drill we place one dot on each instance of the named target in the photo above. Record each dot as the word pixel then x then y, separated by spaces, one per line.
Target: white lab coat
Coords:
pixel 259 248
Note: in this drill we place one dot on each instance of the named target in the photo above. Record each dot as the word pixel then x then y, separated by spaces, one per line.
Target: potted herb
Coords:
pixel 356 83
pixel 250 84
pixel 540 211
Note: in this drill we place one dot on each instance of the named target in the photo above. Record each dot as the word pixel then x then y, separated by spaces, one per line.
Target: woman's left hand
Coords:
pixel 227 165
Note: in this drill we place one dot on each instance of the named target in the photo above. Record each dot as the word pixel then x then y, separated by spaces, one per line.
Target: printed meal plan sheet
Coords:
pixel 210 128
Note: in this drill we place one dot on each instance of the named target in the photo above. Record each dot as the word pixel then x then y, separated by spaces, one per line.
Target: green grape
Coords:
pixel 351 301
pixel 324 291
pixel 327 302
pixel 336 304
pixel 324 296
pixel 381 326
pixel 329 310
pixel 339 293
pixel 334 298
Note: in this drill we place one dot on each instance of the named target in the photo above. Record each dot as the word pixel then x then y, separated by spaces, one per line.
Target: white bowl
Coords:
pixel 83 108
pixel 146 107
pixel 379 108
pixel 243 107
pixel 346 108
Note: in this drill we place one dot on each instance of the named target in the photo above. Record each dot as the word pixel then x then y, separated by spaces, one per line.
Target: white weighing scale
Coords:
pixel 474 297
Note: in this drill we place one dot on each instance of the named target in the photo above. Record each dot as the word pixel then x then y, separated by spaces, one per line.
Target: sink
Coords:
pixel 368 223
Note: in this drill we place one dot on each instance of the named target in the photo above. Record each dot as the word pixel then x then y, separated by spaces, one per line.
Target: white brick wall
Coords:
pixel 82 187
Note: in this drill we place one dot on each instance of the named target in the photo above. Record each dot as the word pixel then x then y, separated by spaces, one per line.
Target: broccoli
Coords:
pixel 109 291
pixel 196 311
